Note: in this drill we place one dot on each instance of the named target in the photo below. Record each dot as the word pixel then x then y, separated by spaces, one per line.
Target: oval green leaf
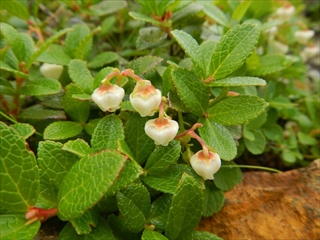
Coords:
pixel 19 174
pixel 186 208
pixel 190 90
pixel 38 87
pixel 62 130
pixel 87 182
pixel 233 49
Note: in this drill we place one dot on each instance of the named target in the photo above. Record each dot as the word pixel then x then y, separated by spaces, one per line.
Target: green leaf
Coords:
pixel 15 227
pixel 237 110
pixel 201 235
pixel 85 46
pixel 257 144
pixel 87 181
pixel 159 212
pixel 227 176
pixel 215 13
pixel 47 198
pixel 130 172
pixel 288 157
pixel 82 97
pixel 15 8
pixel 84 223
pixel 273 131
pixel 162 157
pixel 148 235
pixel 151 38
pixel 39 112
pixel 25 130
pixel 190 90
pixel 134 204
pixel 78 147
pixel 100 76
pixel 107 7
pixel 91 125
pixel 62 130
pixel 218 138
pixel 45 45
pixel 144 18
pixel 16 73
pixel 38 87
pixel 213 199
pixel 76 110
pixel 80 75
pixel 233 49
pixel 186 208
pixel 6 87
pixel 186 11
pixel 101 232
pixel 29 46
pixel 55 54
pixel 206 49
pixel 306 139
pixel 144 64
pixel 167 181
pixel 107 134
pixel 271 63
pixel 257 122
pixel 237 81
pixel 188 44
pixel 54 162
pixel 139 143
pixel 102 59
pixel 241 10
pixel 19 176
pixel 14 40
pixel 120 230
pixel 74 38
pixel 158 8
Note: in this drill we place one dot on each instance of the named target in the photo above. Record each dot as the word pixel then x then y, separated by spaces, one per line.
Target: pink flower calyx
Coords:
pixel 38 214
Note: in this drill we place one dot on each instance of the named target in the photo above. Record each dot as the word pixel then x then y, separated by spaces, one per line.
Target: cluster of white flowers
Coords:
pixel 146 100
pixel 303 36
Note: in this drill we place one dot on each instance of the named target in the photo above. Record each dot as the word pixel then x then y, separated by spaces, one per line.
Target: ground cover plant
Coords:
pixel 125 119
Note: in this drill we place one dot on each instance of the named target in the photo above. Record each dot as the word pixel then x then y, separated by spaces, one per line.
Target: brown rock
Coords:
pixel 271 206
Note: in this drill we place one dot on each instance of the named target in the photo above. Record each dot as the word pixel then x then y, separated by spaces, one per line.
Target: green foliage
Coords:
pixel 231 74
pixel 19 172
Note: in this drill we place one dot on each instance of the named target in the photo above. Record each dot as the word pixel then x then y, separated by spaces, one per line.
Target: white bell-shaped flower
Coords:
pixel 161 130
pixel 303 36
pixel 108 97
pixel 309 52
pixel 51 70
pixel 286 12
pixel 145 99
pixel 205 166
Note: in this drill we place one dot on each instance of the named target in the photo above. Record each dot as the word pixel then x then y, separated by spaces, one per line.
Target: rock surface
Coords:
pixel 271 206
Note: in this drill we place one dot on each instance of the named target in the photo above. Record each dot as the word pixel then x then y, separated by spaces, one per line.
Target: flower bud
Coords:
pixel 108 97
pixel 286 12
pixel 51 70
pixel 205 166
pixel 161 130
pixel 303 36
pixel 145 99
